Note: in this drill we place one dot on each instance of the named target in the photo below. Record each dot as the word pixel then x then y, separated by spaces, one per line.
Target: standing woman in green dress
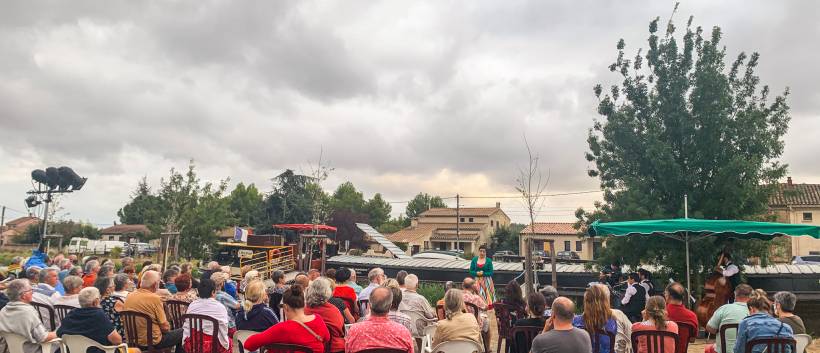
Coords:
pixel 481 268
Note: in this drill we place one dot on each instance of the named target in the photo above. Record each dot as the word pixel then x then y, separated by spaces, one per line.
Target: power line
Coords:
pixel 510 197
pixel 15 210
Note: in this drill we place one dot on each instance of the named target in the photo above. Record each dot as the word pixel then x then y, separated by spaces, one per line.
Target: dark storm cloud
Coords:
pixel 384 88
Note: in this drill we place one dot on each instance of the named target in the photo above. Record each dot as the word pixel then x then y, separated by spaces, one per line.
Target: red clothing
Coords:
pixel 335 324
pixel 378 332
pixel 290 332
pixel 679 313
pixel 669 344
pixel 346 293
pixel 88 280
pixel 207 343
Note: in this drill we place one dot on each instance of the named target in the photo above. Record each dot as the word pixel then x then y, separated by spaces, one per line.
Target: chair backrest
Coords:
pixel 692 333
pixel 655 340
pixel 773 344
pixel 80 344
pixel 595 340
pixel 239 338
pixel 382 350
pixel 62 311
pixel 440 313
pixel 364 306
pixel 522 336
pixel 174 309
pixel 503 317
pixel 473 308
pixel 196 323
pixel 458 346
pixel 14 342
pixel 803 341
pixel 722 331
pixel 419 321
pixel 46 314
pixel 129 320
pixel 287 348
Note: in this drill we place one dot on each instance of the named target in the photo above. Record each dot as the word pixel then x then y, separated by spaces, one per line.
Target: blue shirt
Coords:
pixel 760 325
pixel 603 340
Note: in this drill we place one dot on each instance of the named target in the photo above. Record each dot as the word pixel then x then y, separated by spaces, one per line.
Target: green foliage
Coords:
pixel 68 229
pixel 346 197
pixel 289 202
pixel 506 238
pixel 144 208
pixel 378 210
pixel 422 202
pixel 681 123
pixel 432 291
pixel 247 205
pixel 392 226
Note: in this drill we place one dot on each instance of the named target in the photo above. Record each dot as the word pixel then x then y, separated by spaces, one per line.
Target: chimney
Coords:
pixel 498 205
pixel 789 181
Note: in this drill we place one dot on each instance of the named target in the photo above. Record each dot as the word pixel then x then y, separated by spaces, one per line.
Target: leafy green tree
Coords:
pixel 378 210
pixel 346 197
pixel 67 228
pixel 506 238
pixel 289 202
pixel 682 123
pixel 392 225
pixel 247 205
pixel 422 202
pixel 144 208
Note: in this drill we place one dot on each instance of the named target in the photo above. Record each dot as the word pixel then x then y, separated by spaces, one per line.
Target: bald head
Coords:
pixel 150 280
pixel 468 284
pixel 563 310
pixel 214 266
pixel 380 300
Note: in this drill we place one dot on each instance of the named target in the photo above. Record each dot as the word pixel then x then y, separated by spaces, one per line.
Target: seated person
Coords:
pixel 255 315
pixel 318 294
pixel 536 305
pixel 655 319
pixel 759 324
pixel 728 314
pixel 377 331
pixel 90 321
pixel 345 292
pixel 784 303
pixel 299 328
pixel 560 336
pixel 597 316
pixel 397 316
pixel 207 305
pixel 675 294
pixel 457 324
pixel 145 300
pixel 21 318
pixel 72 285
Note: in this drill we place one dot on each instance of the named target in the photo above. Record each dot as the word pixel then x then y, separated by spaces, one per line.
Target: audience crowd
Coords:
pixel 330 312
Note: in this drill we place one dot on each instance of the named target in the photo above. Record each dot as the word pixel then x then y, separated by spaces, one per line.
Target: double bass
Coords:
pixel 716 292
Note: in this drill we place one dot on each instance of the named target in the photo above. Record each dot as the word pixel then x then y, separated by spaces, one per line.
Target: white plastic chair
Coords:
pixel 458 346
pixel 14 343
pixel 427 338
pixel 79 344
pixel 239 338
pixel 803 341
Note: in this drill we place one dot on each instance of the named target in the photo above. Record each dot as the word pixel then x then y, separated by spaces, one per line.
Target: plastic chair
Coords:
pixel 239 338
pixel 286 348
pixel 773 344
pixel 503 317
pixel 196 323
pixel 420 322
pixel 595 341
pixel 14 343
pixel 364 306
pixel 79 344
pixel 427 339
pixel 129 322
pixel 62 311
pixel 42 310
pixel 655 340
pixel 722 332
pixel 803 341
pixel 458 346
pixel 521 338
pixel 692 333
pixel 174 310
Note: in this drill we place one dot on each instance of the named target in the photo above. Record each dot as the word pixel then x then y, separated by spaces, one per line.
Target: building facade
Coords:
pixel 17 227
pixel 798 204
pixel 566 238
pixel 124 232
pixel 448 229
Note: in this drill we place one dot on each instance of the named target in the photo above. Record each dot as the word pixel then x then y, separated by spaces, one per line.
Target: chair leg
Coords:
pixel 498 348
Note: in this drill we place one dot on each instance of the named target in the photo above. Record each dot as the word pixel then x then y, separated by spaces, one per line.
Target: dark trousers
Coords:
pixel 170 339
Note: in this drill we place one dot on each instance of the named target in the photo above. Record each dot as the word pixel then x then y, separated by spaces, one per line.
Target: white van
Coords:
pixel 97 247
pixel 105 246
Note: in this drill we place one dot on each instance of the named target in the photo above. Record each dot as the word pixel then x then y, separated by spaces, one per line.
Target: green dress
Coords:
pixel 486 287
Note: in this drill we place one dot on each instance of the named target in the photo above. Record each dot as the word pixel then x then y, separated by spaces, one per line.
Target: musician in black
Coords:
pixel 634 299
pixel 646 282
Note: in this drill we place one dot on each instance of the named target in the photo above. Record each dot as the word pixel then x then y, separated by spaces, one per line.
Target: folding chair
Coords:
pixel 655 340
pixel 174 309
pixel 458 346
pixel 196 324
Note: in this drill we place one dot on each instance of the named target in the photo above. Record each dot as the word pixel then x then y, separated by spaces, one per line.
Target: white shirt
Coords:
pixel 730 270
pixel 70 300
pixel 630 291
pixel 645 285
pixel 365 294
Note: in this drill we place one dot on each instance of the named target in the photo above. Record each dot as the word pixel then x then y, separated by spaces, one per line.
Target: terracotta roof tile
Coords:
pixel 552 229
pixel 795 194
pixel 125 229
pixel 22 220
pixel 423 230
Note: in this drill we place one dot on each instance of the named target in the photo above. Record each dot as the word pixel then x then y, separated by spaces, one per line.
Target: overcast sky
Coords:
pixel 402 96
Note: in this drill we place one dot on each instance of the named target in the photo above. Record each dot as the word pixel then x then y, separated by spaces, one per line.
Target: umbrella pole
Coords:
pixel 688 281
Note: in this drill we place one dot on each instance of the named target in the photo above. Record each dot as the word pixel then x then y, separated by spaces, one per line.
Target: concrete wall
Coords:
pixel 805 244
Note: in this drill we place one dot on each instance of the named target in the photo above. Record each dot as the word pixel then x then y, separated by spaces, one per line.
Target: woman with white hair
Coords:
pixel 231 305
pixel 318 293
pixel 249 277
pixel 457 324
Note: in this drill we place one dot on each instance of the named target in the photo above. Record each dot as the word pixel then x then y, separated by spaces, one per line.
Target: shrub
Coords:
pixel 432 291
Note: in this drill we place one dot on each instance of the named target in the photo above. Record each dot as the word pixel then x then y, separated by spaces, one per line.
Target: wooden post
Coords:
pixel 552 261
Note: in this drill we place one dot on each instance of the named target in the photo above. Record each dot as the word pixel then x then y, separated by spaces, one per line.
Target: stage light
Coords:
pixel 53 177
pixel 32 201
pixel 39 176
pixel 69 178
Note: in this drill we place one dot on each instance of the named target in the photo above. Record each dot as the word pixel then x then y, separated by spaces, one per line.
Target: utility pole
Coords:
pixel 2 223
pixel 458 220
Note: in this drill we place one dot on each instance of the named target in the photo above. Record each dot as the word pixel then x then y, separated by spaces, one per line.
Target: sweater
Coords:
pixel 487 268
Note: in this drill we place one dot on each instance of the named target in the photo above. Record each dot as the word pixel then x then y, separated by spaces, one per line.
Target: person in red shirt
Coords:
pixel 91 269
pixel 300 328
pixel 675 294
pixel 317 295
pixel 345 292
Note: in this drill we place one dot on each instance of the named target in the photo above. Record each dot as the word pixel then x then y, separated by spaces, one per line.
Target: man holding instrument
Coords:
pixel 730 272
